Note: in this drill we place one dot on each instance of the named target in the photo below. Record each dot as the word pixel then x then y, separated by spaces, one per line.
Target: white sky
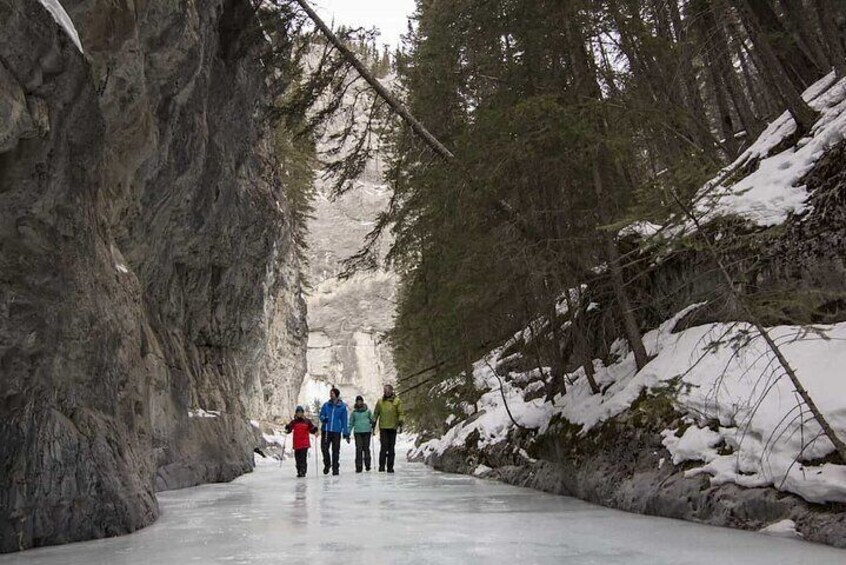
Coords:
pixel 389 16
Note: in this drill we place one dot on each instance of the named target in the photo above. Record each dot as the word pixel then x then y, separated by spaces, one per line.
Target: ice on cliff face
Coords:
pixel 63 19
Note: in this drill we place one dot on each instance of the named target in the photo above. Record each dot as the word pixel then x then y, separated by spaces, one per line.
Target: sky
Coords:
pixel 389 16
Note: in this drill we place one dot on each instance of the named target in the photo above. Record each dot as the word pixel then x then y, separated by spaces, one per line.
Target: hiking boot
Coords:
pixel 335 473
pixel 325 470
pixel 390 470
pixel 358 470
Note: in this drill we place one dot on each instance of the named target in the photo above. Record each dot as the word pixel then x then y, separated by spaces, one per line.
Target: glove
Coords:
pixel 347 438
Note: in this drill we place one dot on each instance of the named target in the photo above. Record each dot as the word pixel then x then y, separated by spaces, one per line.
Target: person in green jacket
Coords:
pixel 361 425
pixel 389 416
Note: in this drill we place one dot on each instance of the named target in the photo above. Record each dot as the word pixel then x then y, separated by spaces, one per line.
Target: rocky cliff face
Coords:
pixel 347 318
pixel 149 290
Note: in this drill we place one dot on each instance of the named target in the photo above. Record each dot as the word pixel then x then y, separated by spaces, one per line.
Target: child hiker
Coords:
pixel 301 427
pixel 361 424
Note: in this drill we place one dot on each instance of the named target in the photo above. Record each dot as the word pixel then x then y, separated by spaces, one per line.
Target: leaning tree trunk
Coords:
pixel 713 29
pixel 827 15
pixel 612 256
pixel 798 67
pixel 806 34
pixel 765 99
pixel 585 72
pixel 374 83
pixel 580 342
pixel 803 115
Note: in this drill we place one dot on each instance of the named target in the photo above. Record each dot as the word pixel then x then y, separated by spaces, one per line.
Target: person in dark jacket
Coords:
pixel 301 427
pixel 389 415
pixel 333 423
pixel 361 425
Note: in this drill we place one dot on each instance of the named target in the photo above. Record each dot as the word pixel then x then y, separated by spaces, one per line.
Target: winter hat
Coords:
pixel 299 409
pixel 359 397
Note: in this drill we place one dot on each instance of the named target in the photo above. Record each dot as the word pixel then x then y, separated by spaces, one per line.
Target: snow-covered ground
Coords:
pixel 415 516
pixel 721 376
pixel 773 191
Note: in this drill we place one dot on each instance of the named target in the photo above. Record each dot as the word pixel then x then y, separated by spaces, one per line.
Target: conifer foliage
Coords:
pixel 567 119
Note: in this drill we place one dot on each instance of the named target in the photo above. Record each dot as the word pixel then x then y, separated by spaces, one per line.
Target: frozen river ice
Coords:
pixel 415 516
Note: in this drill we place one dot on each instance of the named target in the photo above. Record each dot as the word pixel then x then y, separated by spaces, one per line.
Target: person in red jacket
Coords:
pixel 301 427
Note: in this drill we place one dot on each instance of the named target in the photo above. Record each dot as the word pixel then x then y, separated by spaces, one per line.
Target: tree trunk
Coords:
pixel 374 83
pixel 827 16
pixel 692 92
pixel 612 255
pixel 580 342
pixel 767 99
pixel 724 113
pixel 805 33
pixel 803 115
pixel 586 78
pixel 710 18
pixel 798 67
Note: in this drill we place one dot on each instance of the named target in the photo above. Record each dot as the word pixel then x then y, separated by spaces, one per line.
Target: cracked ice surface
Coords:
pixel 415 516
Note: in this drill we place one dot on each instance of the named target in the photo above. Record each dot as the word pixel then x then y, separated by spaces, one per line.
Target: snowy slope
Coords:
pixel 745 423
pixel 769 194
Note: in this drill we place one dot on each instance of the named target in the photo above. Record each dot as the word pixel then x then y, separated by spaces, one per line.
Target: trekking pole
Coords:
pixel 316 465
pixel 316 449
pixel 284 446
pixel 373 449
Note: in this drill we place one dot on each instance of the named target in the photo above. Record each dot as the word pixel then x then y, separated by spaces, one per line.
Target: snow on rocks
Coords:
pixel 63 19
pixel 782 529
pixel 769 194
pixel 696 444
pixel 200 413
pixel 482 470
pixel 747 425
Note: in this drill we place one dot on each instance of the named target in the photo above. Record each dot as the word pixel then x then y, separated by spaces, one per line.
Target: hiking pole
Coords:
pixel 373 449
pixel 284 446
pixel 316 463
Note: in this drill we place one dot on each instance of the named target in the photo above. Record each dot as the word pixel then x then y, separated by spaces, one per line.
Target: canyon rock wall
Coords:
pixel 150 299
pixel 348 318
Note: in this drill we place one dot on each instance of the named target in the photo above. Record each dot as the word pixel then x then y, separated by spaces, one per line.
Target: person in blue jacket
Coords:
pixel 333 419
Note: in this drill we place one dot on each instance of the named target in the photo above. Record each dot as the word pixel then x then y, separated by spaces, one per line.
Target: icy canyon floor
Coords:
pixel 415 516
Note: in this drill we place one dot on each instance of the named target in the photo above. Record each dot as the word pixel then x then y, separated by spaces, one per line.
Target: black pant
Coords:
pixel 362 450
pixel 301 457
pixel 388 440
pixel 333 439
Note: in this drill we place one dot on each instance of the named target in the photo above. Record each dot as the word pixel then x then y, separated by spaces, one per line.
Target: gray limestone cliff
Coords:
pixel 348 318
pixel 150 298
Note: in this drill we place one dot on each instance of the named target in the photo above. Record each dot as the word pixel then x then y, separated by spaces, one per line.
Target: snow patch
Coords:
pixel 200 413
pixel 640 228
pixel 482 470
pixel 696 444
pixel 782 529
